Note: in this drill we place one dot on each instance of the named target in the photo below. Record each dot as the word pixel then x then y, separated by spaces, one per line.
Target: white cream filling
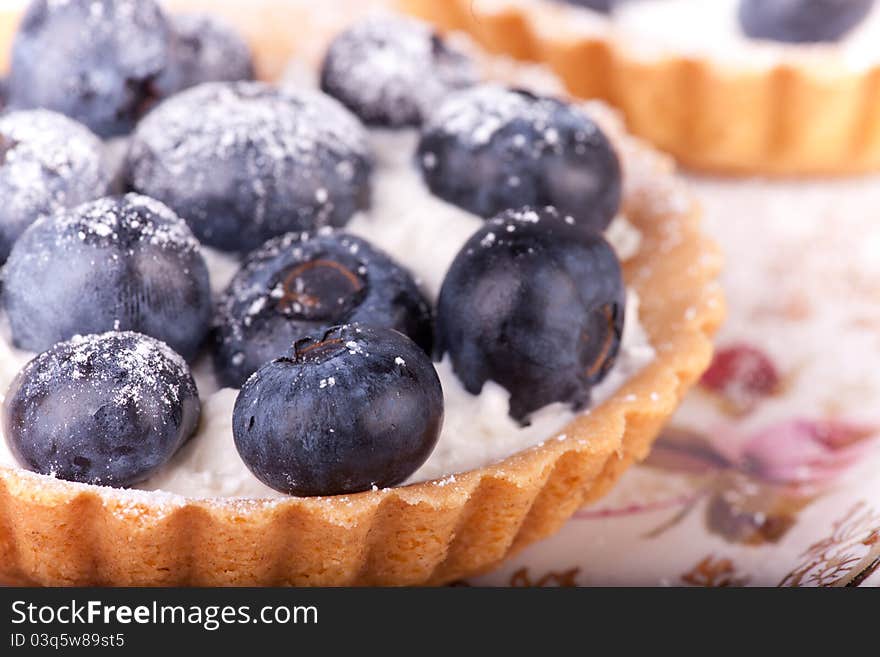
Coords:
pixel 424 234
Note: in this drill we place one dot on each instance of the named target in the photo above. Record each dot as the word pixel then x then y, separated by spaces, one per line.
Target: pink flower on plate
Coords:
pixel 742 375
pixel 754 486
pixel 804 452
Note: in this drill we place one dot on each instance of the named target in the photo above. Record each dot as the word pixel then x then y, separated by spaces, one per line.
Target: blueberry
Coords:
pixel 298 284
pixel 47 163
pixel 490 149
pixel 345 410
pixel 605 6
pixel 104 409
pixel 243 162
pixel 118 263
pixel 801 21
pixel 534 304
pixel 205 49
pixel 391 70
pixel 93 60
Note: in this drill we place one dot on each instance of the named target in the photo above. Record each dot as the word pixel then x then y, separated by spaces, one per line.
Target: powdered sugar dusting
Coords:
pixel 208 122
pixel 392 69
pixel 476 114
pixel 261 153
pixel 124 221
pixel 125 25
pixel 47 162
pixel 147 364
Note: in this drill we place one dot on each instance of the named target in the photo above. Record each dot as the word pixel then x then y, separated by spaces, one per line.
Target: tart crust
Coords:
pixel 788 119
pixel 54 532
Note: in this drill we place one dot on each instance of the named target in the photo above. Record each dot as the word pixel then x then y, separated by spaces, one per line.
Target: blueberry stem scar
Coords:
pixel 293 296
pixel 607 344
pixel 327 348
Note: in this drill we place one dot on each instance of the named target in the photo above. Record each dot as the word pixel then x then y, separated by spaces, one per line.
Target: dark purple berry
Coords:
pixel 106 409
pixel 536 305
pixel 605 6
pixel 96 61
pixel 489 149
pixel 299 284
pixel 801 21
pixel 242 162
pixel 205 48
pixel 119 263
pixel 48 163
pixel 392 71
pixel 345 410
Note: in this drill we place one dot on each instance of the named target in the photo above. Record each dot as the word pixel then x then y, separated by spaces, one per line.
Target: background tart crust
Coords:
pixel 59 533
pixel 788 119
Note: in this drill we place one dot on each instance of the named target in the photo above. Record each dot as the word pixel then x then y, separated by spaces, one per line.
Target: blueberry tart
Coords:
pixel 773 87
pixel 309 349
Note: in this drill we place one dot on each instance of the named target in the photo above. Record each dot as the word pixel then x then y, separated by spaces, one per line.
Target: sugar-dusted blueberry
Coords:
pixel 345 410
pixel 93 60
pixel 801 21
pixel 48 162
pixel 105 409
pixel 391 70
pixel 205 48
pixel 298 284
pixel 536 305
pixel 118 263
pixel 489 149
pixel 243 162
